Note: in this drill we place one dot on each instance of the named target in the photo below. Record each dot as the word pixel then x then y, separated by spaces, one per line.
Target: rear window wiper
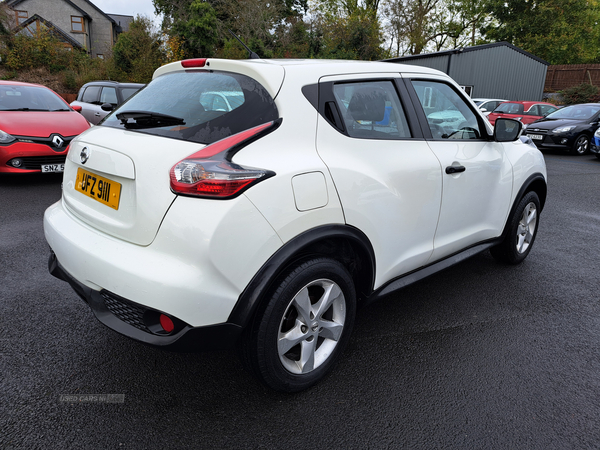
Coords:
pixel 147 119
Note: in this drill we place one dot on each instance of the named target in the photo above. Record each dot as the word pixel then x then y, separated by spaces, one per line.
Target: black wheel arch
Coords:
pixel 344 243
pixel 535 183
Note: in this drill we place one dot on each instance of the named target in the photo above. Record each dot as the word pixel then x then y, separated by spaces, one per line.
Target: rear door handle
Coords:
pixel 455 169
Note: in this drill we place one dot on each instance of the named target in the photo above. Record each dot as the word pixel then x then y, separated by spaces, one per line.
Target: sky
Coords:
pixel 127 7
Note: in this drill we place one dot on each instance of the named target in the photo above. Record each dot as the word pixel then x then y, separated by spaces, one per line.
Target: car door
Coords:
pixel 89 103
pixel 387 177
pixel 476 173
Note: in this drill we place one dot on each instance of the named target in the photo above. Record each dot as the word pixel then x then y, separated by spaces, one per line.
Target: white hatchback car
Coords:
pixel 265 225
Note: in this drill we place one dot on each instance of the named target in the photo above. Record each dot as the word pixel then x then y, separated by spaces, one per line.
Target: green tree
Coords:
pixel 559 31
pixel 137 53
pixel 349 30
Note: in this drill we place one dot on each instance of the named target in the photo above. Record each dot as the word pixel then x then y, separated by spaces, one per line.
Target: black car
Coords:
pixel 98 98
pixel 570 128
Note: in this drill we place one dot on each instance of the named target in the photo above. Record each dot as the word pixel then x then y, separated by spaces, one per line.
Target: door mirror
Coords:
pixel 507 130
pixel 77 108
pixel 107 107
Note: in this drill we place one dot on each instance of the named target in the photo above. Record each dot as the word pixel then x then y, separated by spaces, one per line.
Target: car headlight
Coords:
pixel 6 138
pixel 563 129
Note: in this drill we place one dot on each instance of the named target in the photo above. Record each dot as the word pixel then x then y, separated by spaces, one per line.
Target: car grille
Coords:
pixel 65 141
pixel 35 162
pixel 534 131
pixel 125 310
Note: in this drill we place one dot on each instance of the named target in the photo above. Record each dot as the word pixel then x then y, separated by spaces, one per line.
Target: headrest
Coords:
pixel 368 104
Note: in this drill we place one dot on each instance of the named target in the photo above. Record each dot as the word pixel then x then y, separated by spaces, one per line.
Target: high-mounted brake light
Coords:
pixel 196 62
pixel 211 173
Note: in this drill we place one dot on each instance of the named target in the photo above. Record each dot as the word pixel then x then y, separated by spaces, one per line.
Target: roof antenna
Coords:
pixel 252 55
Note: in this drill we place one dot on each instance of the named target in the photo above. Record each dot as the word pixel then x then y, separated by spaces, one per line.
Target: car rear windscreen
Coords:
pixel 212 105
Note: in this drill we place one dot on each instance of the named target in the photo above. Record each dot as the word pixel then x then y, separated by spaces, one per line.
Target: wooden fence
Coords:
pixel 69 97
pixel 562 77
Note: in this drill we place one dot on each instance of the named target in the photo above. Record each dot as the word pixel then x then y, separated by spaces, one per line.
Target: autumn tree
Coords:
pixel 137 53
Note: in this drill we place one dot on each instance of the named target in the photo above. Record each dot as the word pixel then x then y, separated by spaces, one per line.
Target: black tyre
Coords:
pixel 598 155
pixel 299 333
pixel 521 231
pixel 581 145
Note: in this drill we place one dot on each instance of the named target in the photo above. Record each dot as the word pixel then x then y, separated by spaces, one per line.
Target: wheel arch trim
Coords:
pixel 535 182
pixel 294 250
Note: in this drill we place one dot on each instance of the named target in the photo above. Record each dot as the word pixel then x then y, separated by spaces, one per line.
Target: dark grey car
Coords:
pixel 98 98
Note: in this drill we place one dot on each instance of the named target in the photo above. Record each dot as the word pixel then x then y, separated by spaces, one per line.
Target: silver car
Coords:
pixel 98 98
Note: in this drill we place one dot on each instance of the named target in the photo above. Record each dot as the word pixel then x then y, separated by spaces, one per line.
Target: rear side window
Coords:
pixel 212 104
pixel 371 110
pixel 91 94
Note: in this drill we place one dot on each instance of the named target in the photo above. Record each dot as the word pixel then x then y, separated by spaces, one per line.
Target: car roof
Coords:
pixel 112 83
pixel 530 103
pixel 271 72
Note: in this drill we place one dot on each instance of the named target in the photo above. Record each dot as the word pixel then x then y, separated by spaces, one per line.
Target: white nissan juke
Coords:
pixel 187 224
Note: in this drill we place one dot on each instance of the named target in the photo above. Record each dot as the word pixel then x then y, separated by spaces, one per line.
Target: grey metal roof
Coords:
pixel 466 50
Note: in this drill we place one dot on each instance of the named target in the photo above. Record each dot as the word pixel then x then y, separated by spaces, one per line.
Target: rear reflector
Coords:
pixel 166 323
pixel 196 62
pixel 211 173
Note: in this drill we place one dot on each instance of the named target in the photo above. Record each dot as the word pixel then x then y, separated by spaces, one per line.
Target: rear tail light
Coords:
pixel 210 173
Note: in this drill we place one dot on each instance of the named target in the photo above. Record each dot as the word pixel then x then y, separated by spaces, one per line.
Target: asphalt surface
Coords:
pixel 480 356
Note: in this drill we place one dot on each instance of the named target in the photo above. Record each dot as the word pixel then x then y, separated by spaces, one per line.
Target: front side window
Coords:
pixel 77 24
pixel 128 92
pixel 448 115
pixel 371 110
pixel 189 98
pixel 91 94
pixel 109 95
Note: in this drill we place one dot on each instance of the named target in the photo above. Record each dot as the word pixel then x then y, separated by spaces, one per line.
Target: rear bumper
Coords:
pixel 129 319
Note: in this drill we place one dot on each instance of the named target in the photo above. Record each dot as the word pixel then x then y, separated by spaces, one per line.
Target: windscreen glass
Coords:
pixel 575 112
pixel 203 106
pixel 510 108
pixel 30 98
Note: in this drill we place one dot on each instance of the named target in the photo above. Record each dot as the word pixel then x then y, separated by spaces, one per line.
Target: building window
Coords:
pixel 77 24
pixel 21 16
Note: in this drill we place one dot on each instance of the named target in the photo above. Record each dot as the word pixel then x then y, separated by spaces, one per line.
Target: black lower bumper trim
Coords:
pixel 187 339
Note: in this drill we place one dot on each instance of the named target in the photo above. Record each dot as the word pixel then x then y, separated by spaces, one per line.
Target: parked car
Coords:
pixel 487 105
pixel 36 127
pixel 526 112
pixel 266 225
pixel 570 128
pixel 98 98
pixel 595 145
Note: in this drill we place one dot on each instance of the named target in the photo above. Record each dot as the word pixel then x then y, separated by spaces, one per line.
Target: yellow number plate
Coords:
pixel 99 188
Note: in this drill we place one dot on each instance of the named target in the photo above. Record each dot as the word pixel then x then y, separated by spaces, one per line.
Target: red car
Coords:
pixel 526 112
pixel 36 127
